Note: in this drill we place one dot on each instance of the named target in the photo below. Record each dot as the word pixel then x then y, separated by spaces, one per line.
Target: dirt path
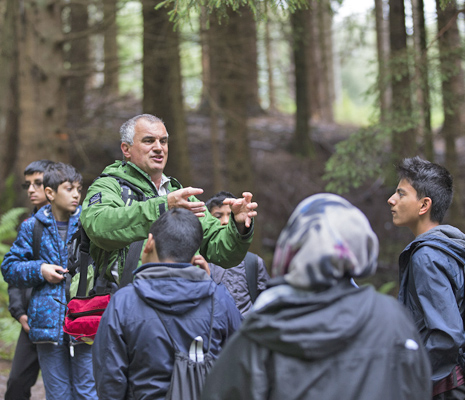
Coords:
pixel 37 393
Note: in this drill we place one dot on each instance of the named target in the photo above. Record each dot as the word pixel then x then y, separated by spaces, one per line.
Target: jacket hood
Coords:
pixel 450 238
pixel 45 215
pixel 309 325
pixel 169 287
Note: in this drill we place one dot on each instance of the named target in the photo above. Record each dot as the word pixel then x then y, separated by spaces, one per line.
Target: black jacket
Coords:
pixel 343 343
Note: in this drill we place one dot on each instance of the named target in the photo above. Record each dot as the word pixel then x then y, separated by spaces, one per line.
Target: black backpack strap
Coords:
pixel 129 191
pixel 251 274
pixel 85 261
pixel 37 238
pixel 130 265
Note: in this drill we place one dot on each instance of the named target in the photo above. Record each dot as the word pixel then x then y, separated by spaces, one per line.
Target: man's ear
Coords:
pixel 125 149
pixel 49 193
pixel 426 204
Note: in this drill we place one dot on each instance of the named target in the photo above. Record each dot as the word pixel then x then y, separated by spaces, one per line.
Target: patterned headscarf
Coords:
pixel 325 240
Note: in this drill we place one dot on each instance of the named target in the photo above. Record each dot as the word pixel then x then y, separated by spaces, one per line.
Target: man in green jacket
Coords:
pixel 112 225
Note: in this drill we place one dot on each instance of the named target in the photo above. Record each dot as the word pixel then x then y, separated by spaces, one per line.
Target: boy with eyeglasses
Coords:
pixel 25 367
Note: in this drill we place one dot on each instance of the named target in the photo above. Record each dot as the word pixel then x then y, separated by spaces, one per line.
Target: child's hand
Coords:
pixel 52 273
pixel 200 262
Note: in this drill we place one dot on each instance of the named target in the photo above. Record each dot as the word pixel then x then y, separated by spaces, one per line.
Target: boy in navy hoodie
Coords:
pixel 66 369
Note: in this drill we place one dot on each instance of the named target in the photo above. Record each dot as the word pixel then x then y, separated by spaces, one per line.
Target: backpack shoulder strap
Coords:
pixel 37 238
pixel 132 259
pixel 129 191
pixel 251 274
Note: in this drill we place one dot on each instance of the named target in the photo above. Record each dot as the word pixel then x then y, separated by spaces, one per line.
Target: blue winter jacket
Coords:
pixel 45 314
pixel 432 288
pixel 132 354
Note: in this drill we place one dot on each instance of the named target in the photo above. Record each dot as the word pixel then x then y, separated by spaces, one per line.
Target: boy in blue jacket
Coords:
pixel 66 369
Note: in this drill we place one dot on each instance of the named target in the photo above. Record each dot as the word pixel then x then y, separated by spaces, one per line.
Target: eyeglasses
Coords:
pixel 36 185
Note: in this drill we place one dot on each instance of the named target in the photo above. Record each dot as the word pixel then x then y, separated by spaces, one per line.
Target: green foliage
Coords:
pixel 8 224
pixel 180 9
pixel 9 330
pixel 8 196
pixel 358 159
pixel 387 287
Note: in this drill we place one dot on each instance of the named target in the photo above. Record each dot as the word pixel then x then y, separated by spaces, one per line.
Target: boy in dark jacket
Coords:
pixel 25 366
pixel 133 354
pixel 235 278
pixel 431 270
pixel 66 370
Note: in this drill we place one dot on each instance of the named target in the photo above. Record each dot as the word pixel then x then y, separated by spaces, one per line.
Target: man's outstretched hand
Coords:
pixel 243 210
pixel 180 199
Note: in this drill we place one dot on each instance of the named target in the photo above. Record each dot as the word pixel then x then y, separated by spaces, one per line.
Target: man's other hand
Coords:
pixel 243 211
pixel 180 199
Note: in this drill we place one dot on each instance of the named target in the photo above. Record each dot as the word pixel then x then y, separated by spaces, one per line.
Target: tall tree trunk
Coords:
pixel 382 46
pixel 327 73
pixel 162 85
pixel 78 58
pixel 246 39
pixel 9 106
pixel 269 62
pixel 42 92
pixel 232 84
pixel 314 62
pixel 403 133
pixel 421 78
pixel 453 91
pixel 110 48
pixel 301 143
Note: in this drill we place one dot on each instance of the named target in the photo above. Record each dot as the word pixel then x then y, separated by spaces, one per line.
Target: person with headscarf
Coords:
pixel 313 334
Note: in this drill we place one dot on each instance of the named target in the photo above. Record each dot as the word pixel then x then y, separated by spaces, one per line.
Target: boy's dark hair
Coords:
pixel 429 180
pixel 178 234
pixel 217 199
pixel 57 173
pixel 37 166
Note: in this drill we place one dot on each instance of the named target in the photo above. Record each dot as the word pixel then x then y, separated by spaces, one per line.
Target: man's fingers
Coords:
pixel 190 191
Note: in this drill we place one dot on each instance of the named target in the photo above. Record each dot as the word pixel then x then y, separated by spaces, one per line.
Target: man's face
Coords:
pixel 35 190
pixel 65 200
pixel 405 206
pixel 150 148
pixel 222 213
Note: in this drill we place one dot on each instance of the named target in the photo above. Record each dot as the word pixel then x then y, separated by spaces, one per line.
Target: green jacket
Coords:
pixel 112 225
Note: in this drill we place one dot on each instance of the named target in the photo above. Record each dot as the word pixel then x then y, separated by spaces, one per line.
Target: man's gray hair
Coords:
pixel 127 130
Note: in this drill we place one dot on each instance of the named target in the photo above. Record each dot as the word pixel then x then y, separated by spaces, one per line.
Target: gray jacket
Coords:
pixel 236 282
pixel 343 343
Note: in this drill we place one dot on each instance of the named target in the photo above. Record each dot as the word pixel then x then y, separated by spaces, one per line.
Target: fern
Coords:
pixel 8 223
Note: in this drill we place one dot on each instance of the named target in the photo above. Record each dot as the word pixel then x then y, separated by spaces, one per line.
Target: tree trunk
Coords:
pixel 110 48
pixel 301 143
pixel 78 58
pixel 9 107
pixel 453 91
pixel 325 32
pixel 42 91
pixel 246 39
pixel 382 46
pixel 314 62
pixel 269 62
pixel 403 133
pixel 421 78
pixel 162 85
